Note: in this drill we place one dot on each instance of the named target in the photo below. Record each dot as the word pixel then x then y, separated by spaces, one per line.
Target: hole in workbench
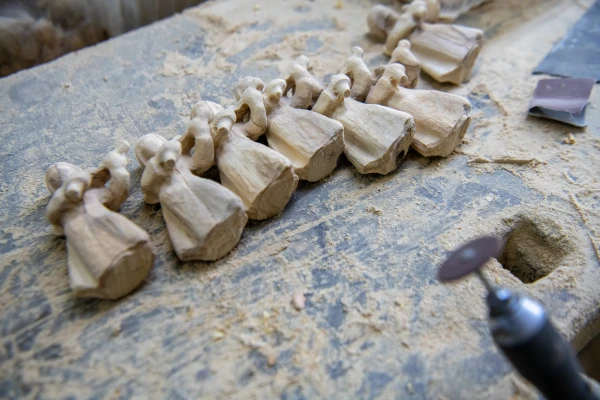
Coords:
pixel 589 357
pixel 533 249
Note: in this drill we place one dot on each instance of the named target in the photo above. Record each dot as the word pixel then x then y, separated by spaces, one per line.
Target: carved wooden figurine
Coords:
pixel 447 52
pixel 205 220
pixel 386 24
pixel 312 142
pixel 412 66
pixel 108 255
pixel 263 178
pixel 441 119
pixel 360 75
pixel 374 136
pixel 304 87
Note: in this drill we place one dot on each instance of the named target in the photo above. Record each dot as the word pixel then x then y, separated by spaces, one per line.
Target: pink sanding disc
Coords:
pixel 469 258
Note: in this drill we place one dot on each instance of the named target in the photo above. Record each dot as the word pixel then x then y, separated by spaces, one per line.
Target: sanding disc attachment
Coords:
pixel 469 258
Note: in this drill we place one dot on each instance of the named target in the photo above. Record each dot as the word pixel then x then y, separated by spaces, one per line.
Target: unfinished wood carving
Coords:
pixel 446 52
pixel 304 87
pixel 412 66
pixel 204 219
pixel 360 75
pixel 197 145
pixel 260 176
pixel 108 255
pixel 386 24
pixel 375 137
pixel 441 119
pixel 312 142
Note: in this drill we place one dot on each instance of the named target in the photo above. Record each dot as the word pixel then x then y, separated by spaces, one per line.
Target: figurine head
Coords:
pixel 245 83
pixel 405 43
pixel 275 90
pixel 205 110
pixel 222 124
pixel 168 154
pixel 147 147
pixel 339 85
pixel 395 74
pixel 76 186
pixel 357 51
pixel 122 146
pixel 418 9
pixel 114 159
pixel 381 20
pixel 403 55
pixel 303 61
pixel 57 174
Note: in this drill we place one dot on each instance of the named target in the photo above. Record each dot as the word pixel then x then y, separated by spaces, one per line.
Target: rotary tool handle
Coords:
pixel 548 361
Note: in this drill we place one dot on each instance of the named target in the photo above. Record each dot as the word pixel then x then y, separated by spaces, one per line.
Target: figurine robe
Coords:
pixel 108 255
pixel 441 119
pixel 447 52
pixel 204 219
pixel 375 137
pixel 311 141
pixel 263 178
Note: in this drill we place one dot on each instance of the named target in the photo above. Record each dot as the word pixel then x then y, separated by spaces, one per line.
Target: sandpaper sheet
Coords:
pixel 577 55
pixel 562 99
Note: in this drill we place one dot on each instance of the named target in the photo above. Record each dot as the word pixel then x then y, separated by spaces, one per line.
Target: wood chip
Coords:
pixel 299 301
pixel 570 139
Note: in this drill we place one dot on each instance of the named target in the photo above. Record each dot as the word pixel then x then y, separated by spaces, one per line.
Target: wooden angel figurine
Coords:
pixel 260 176
pixel 412 66
pixel 441 119
pixel 447 52
pixel 385 24
pixel 360 75
pixel 375 137
pixel 108 255
pixel 204 219
pixel 312 142
pixel 305 88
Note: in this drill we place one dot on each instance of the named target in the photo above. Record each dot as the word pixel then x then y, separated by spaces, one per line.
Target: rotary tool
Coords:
pixel 522 330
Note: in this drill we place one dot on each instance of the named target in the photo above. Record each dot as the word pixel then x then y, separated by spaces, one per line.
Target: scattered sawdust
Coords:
pixel 483 88
pixel 506 159
pixel 251 314
pixel 594 245
pixel 374 210
pixel 577 207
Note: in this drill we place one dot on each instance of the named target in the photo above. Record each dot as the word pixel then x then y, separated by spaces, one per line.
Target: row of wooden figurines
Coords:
pixel 447 52
pixel 372 118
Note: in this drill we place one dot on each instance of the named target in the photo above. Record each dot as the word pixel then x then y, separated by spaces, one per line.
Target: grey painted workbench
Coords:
pixel 363 249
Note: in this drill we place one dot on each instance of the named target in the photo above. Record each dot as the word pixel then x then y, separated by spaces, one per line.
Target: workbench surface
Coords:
pixel 363 249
